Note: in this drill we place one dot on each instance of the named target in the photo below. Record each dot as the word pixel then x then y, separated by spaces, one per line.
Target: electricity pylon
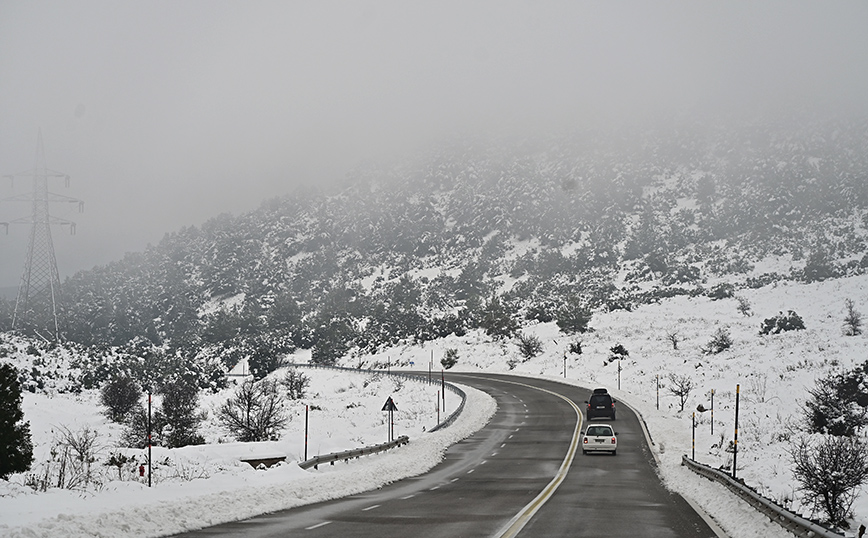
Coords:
pixel 38 306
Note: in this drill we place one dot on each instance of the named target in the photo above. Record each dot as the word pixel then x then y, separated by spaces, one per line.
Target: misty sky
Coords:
pixel 168 113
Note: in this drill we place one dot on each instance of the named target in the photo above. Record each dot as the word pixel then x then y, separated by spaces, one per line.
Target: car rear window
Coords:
pixel 599 431
pixel 600 399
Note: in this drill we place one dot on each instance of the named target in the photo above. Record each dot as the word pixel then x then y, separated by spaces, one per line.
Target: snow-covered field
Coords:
pixel 773 373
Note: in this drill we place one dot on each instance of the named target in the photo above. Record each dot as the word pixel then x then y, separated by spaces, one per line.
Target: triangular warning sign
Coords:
pixel 390 405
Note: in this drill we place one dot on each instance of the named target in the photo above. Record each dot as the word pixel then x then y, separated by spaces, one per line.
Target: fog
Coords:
pixel 165 114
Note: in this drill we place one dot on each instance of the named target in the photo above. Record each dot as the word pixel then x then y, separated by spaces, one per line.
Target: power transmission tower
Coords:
pixel 38 306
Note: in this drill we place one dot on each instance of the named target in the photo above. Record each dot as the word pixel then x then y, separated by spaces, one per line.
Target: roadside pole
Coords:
pixel 735 442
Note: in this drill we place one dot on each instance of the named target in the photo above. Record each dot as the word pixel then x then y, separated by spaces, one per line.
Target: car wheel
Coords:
pixel 614 452
pixel 584 452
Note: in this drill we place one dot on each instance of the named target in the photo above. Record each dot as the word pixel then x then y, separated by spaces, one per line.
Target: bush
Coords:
pixel 255 413
pixel 573 317
pixel 722 291
pixel 838 404
pixel 180 413
pixel 120 395
pixel 16 446
pixel 618 352
pixel 529 345
pixel 743 306
pixel 135 434
pixel 721 341
pixel 829 471
pixel 497 319
pixel 295 383
pixel 781 323
pixel 450 358
pixel 853 320
pixel 576 347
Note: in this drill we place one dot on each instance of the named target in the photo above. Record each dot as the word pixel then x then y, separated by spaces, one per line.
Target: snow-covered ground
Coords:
pixel 773 373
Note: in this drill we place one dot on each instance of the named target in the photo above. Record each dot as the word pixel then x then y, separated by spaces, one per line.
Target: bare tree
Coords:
pixel 681 387
pixel 673 339
pixel 853 320
pixel 743 306
pixel 255 413
pixel 829 470
pixel 295 383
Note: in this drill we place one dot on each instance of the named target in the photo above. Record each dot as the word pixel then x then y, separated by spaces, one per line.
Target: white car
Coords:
pixel 600 438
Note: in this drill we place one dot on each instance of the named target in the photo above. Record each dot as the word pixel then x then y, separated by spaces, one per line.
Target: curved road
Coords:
pixel 521 475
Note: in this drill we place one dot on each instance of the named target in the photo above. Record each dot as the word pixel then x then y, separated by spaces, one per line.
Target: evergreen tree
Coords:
pixel 181 415
pixel 120 395
pixel 497 319
pixel 16 446
pixel 573 317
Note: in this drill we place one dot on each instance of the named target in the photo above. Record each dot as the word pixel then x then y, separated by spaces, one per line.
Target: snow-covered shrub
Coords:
pixel 573 317
pixel 450 358
pixel 780 323
pixel 724 290
pixel 120 395
pixel 180 411
pixel 529 345
pixel 721 341
pixel 497 319
pixel 618 352
pixel 743 306
pixel 136 433
pixel 575 347
pixel 853 319
pixel 838 403
pixel 829 471
pixel 263 358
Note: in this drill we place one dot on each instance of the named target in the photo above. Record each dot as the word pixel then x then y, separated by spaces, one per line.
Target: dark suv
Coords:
pixel 601 404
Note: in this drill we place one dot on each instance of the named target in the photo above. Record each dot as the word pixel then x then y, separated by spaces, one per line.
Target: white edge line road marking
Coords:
pixel 698 509
pixel 370 508
pixel 318 525
pixel 408 497
pixel 514 526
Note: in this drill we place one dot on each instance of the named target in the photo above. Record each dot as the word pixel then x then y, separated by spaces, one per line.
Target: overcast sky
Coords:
pixel 165 114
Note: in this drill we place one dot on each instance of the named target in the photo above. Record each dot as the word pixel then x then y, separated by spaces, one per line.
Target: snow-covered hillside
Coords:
pixel 772 371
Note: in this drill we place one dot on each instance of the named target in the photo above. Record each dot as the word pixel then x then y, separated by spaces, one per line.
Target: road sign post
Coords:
pixel 391 408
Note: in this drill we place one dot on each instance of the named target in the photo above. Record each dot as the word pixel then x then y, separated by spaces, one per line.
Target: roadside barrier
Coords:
pixel 790 521
pixel 347 455
pixel 403 440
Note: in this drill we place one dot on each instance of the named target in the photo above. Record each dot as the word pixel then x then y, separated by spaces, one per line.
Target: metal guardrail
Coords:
pixel 402 375
pixel 790 521
pixel 402 440
pixel 351 454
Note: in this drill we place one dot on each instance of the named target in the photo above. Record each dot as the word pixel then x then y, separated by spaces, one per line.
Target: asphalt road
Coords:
pixel 522 475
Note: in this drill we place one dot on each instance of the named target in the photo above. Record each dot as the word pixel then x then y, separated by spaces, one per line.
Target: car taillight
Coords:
pixel 586 440
pixel 614 440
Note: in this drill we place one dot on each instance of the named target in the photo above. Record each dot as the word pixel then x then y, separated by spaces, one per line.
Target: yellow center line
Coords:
pixel 521 519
